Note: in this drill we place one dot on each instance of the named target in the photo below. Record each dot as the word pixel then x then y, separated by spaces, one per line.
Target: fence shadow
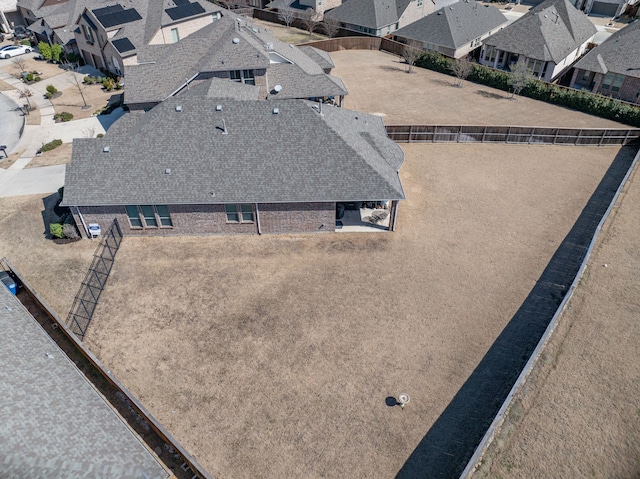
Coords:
pixel 449 444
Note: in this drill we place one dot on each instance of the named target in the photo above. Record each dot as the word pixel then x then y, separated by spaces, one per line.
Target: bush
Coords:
pixel 28 77
pixel 69 230
pixel 45 50
pixel 37 78
pixel 64 116
pixel 56 52
pixel 100 135
pixel 88 80
pixel 52 145
pixel 52 89
pixel 108 84
pixel 56 230
pixel 25 42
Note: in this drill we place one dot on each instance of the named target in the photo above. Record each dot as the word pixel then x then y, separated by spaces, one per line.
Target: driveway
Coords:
pixel 31 181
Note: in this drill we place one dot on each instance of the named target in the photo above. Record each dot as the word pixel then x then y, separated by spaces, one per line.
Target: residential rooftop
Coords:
pixel 53 422
pixel 199 149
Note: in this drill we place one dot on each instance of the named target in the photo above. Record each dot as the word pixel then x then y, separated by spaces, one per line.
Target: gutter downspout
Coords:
pixel 86 230
pixel 258 220
pixel 395 215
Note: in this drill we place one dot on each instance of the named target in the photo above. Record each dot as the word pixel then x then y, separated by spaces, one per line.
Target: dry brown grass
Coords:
pixel 34 117
pixel 578 414
pixel 4 86
pixel 46 69
pixel 57 156
pixel 71 100
pixel 6 162
pixel 290 35
pixel 272 356
pixel 55 271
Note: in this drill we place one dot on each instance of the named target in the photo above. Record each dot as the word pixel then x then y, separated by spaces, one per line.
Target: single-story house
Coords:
pixel 197 164
pixel 233 49
pixel 455 30
pixel 382 17
pixel 548 40
pixel 613 67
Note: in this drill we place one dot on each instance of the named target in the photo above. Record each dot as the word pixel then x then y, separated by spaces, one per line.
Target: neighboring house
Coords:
pixel 109 37
pixel 455 30
pixel 198 164
pixel 548 39
pixel 383 17
pixel 231 49
pixel 608 8
pixel 613 67
pixel 9 15
pixel 301 6
pixel 53 21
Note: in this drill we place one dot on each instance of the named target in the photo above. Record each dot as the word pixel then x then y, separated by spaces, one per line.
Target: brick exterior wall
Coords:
pixel 629 91
pixel 297 217
pixel 212 219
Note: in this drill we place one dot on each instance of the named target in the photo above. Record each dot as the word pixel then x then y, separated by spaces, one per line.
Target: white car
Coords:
pixel 14 50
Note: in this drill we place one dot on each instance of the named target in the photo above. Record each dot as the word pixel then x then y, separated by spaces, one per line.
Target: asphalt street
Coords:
pixel 11 121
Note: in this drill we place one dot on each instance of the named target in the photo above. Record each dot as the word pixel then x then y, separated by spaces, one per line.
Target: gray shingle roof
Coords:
pixel 369 13
pixel 213 49
pixel 455 25
pixel 296 155
pixel 53 423
pixel 620 53
pixel 549 32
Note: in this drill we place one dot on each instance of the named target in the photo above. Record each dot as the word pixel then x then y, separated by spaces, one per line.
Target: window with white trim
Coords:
pixel 490 53
pixel 149 216
pixel 243 76
pixel 175 36
pixel 88 35
pixel 612 81
pixel 239 213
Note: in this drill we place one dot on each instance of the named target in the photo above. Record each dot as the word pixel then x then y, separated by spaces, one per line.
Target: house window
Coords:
pixel 475 43
pixel 174 35
pixel 149 216
pixel 612 82
pixel 116 66
pixel 242 213
pixel 490 53
pixel 243 76
pixel 88 36
pixel 536 67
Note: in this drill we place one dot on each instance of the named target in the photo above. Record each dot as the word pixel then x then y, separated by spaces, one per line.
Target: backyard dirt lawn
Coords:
pixel 289 34
pixel 378 83
pixel 55 271
pixel 273 356
pixel 579 413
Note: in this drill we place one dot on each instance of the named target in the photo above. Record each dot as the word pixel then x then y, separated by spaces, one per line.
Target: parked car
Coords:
pixel 14 50
pixel 20 32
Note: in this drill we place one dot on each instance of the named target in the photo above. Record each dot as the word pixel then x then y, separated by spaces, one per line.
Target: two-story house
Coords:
pixel 252 63
pixel 109 37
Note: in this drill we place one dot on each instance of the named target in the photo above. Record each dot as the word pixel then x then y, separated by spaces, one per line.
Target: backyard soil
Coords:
pixel 289 35
pixel 579 413
pixel 274 356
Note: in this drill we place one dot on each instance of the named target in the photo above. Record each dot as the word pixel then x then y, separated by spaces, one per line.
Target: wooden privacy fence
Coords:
pixel 85 302
pixel 511 134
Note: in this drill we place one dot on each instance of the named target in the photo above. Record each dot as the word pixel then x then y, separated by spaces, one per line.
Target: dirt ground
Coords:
pixel 579 413
pixel 71 100
pixel 46 69
pixel 428 97
pixel 273 356
pixel 56 271
pixel 57 156
pixel 6 162
pixel 290 35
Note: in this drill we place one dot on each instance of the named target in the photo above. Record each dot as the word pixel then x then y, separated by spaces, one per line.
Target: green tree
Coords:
pixel 519 78
pixel 56 52
pixel 45 50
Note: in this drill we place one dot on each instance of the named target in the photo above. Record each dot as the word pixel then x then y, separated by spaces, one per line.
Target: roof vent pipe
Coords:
pixel 224 128
pixel 105 149
pixel 276 111
pixel 218 107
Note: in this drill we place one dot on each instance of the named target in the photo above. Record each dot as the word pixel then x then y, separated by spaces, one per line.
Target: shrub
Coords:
pixel 108 84
pixel 100 135
pixel 63 116
pixel 56 230
pixel 69 230
pixel 56 52
pixel 88 80
pixel 37 78
pixel 28 77
pixel 51 145
pixel 25 42
pixel 45 50
pixel 52 89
